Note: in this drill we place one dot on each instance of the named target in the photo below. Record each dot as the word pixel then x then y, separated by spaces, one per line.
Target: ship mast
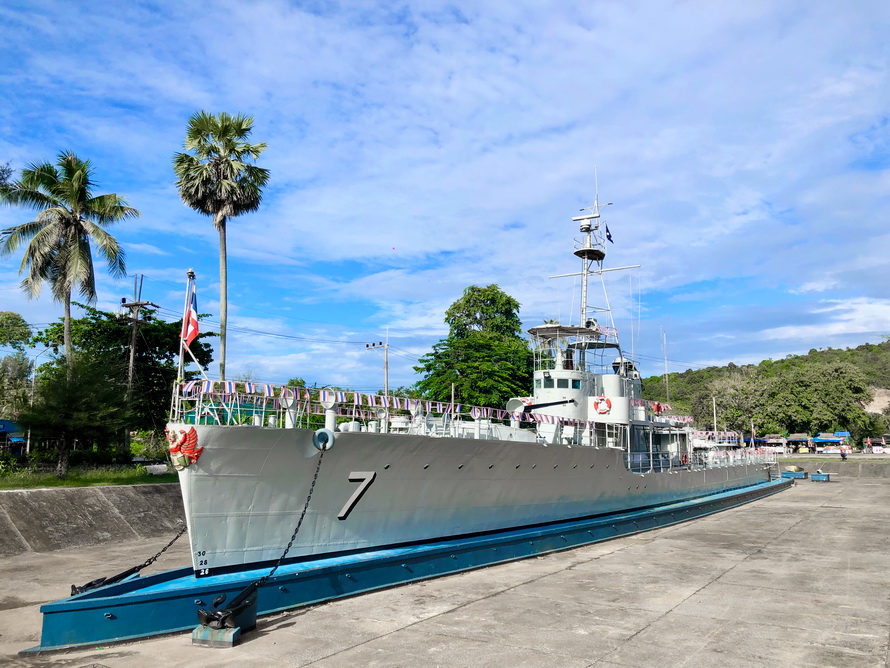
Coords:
pixel 592 249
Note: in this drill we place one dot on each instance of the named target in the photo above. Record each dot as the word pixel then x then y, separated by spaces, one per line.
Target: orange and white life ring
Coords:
pixel 602 405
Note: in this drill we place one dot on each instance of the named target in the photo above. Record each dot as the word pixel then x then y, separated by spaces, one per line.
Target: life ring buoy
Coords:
pixel 684 459
pixel 602 405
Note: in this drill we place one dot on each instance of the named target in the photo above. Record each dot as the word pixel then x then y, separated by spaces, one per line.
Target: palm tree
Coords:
pixel 216 181
pixel 58 240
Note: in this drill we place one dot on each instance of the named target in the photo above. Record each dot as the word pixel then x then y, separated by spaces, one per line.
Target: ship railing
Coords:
pixel 663 461
pixel 735 457
pixel 229 403
pixel 258 404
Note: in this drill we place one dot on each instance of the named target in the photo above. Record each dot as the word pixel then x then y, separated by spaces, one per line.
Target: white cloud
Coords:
pixel 422 148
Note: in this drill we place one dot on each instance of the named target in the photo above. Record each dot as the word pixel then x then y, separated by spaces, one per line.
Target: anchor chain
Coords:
pixel 99 582
pixel 216 617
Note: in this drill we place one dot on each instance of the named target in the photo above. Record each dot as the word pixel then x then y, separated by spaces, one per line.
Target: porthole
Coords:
pixel 460 467
pixel 534 466
pixel 491 466
pixel 426 466
pixel 555 465
pixel 517 466
pixel 386 467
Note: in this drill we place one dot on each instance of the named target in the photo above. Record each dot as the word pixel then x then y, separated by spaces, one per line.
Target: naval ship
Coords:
pixel 260 487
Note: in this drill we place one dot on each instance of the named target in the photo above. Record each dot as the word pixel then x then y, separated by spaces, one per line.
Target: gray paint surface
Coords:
pixel 246 492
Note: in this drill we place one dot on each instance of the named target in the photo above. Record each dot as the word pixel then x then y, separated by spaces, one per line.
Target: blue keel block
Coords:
pixel 821 477
pixel 797 475
pixel 221 638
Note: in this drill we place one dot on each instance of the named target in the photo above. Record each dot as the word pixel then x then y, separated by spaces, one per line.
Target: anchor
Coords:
pixel 222 626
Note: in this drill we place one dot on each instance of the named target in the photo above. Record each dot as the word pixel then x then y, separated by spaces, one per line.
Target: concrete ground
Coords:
pixel 798 579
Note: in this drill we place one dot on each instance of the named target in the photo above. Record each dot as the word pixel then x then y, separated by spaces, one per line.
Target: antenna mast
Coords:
pixel 592 249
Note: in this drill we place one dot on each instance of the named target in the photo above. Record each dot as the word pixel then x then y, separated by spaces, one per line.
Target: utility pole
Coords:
pixel 714 404
pixel 134 307
pixel 385 346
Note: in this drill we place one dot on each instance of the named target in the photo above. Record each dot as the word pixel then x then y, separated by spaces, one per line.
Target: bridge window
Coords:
pixel 562 383
pixel 548 382
pixel 576 384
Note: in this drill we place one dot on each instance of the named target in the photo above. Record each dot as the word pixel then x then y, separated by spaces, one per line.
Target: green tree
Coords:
pixel 736 396
pixel 13 384
pixel 105 337
pixel 816 397
pixel 216 180
pixel 14 331
pixel 484 356
pixel 487 309
pixel 5 173
pixel 69 215
pixel 82 401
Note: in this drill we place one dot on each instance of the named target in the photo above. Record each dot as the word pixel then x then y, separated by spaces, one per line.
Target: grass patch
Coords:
pixel 82 477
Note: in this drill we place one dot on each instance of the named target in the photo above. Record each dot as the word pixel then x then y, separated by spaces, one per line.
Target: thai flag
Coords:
pixel 189 387
pixel 268 391
pixel 190 321
pixel 248 387
pixel 228 387
pixel 341 397
pixel 207 387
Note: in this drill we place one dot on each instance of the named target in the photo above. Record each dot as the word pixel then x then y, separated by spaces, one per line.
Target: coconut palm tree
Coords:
pixel 215 180
pixel 57 241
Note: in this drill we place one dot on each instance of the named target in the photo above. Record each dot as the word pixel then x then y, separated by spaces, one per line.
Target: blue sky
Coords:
pixel 422 147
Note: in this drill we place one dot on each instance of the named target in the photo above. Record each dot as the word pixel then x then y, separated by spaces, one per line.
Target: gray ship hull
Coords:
pixel 244 495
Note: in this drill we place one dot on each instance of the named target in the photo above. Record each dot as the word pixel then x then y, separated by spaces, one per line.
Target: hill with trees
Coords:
pixel 824 390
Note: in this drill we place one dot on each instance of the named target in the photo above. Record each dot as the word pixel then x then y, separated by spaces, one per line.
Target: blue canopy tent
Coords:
pixel 832 442
pixel 12 436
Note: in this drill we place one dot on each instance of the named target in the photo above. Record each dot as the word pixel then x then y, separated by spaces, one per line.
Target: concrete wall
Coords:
pixel 852 468
pixel 43 520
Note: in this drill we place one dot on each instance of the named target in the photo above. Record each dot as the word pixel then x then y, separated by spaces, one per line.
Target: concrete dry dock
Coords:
pixel 798 579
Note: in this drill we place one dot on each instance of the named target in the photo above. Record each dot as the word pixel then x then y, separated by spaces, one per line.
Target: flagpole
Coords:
pixel 175 398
